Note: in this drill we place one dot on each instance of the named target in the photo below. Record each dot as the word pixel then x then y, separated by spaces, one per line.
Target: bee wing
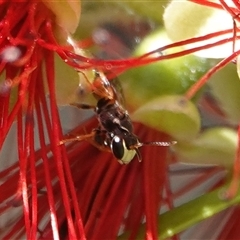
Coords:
pixel 101 86
pixel 118 91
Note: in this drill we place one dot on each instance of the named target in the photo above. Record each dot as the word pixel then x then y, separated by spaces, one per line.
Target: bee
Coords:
pixel 115 129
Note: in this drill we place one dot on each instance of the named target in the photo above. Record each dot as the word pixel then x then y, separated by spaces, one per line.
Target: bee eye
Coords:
pixel 117 147
pixel 120 150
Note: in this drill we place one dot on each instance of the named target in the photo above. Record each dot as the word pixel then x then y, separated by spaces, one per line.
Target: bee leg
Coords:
pixel 78 138
pixel 100 140
pixel 97 138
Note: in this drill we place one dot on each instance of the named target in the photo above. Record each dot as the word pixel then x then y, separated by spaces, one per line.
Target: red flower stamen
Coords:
pixel 230 230
pixel 201 82
pixel 208 4
pixel 24 75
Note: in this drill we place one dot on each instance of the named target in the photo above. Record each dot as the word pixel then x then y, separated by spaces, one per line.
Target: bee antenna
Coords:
pixel 160 144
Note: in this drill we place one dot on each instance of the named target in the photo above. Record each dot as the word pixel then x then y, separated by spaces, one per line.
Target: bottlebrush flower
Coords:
pixel 47 190
pixel 27 69
pixel 77 191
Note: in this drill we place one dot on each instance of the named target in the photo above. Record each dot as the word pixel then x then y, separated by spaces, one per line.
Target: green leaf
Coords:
pixel 213 146
pixel 67 81
pixel 152 11
pixel 185 19
pixel 225 86
pixel 173 76
pixel 172 114
pixel 97 13
pixel 189 214
pixel 185 216
pixel 67 13
pixel 72 86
